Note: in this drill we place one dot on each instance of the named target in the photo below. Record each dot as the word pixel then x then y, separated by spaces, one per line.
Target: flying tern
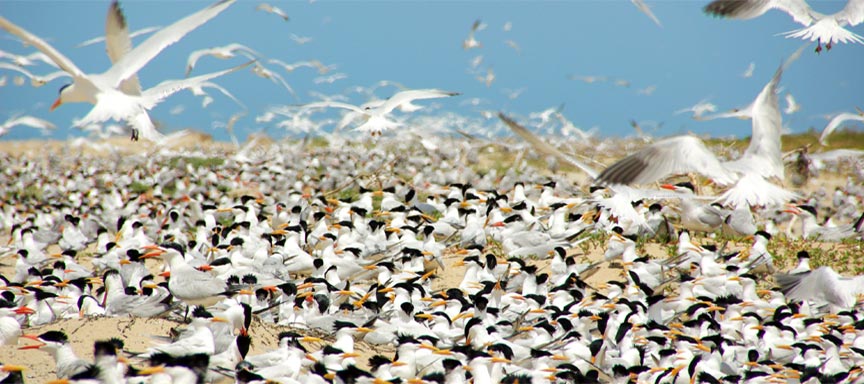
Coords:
pixel 376 117
pixel 224 52
pixel 644 8
pixel 683 154
pixel 29 121
pixel 110 91
pixel 824 29
pixel 272 9
pixel 837 120
pixel 470 42
pixel 35 80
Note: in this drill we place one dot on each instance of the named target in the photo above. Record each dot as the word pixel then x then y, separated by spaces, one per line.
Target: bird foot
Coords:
pixel 134 134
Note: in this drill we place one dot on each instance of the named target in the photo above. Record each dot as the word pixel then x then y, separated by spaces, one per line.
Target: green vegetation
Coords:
pixel 195 162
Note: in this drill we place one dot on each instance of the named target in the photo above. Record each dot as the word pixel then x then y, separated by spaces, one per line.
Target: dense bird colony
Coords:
pixel 404 255
pixel 435 270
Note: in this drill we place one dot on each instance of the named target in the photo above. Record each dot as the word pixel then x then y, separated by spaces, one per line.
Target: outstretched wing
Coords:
pixel 28 38
pixel 677 155
pixel 414 94
pixel 132 62
pixel 543 147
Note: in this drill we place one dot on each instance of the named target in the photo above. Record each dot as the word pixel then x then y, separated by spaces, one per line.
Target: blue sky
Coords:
pixel 419 44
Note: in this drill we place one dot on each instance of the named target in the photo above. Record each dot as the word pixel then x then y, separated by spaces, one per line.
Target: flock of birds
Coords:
pixel 117 95
pixel 344 246
pixel 460 270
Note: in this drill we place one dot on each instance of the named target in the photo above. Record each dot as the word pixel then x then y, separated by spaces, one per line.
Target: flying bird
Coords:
pixel 28 121
pixel 272 9
pixel 837 120
pixel 683 154
pixel 640 4
pixel 142 31
pixel 111 91
pixel 749 71
pixel 471 42
pixel 376 117
pixel 224 52
pixel 821 28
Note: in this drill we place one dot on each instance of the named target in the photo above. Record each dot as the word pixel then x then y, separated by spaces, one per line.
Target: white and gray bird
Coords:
pixel 376 117
pixel 822 28
pixel 28 121
pixel 110 91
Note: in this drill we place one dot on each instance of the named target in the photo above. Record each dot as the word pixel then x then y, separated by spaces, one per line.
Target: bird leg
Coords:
pixel 818 45
pixel 828 46
pixel 134 134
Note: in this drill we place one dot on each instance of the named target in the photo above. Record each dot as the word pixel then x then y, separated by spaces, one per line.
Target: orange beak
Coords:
pixel 56 104
pixel 668 186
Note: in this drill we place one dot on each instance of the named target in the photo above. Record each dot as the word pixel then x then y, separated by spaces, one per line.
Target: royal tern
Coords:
pixel 824 29
pixel 696 216
pixel 683 154
pixel 29 121
pixel 57 344
pixel 187 283
pixel 10 329
pixel 823 286
pixel 224 52
pixel 376 117
pixel 811 229
pixel 265 7
pixel 836 121
pixel 106 90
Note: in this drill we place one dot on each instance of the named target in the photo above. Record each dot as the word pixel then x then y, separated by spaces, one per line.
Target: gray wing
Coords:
pixel 543 147
pixel 118 43
pixel 677 155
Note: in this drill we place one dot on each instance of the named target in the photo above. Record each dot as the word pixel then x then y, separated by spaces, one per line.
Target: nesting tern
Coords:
pixel 824 29
pixel 187 283
pixel 106 90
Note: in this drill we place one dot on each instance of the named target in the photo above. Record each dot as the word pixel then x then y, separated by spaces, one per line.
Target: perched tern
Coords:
pixel 824 29
pixel 836 121
pixel 188 284
pixel 106 90
pixel 376 117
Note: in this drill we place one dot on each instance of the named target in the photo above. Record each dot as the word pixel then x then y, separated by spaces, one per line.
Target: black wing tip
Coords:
pixel 118 12
pixel 724 8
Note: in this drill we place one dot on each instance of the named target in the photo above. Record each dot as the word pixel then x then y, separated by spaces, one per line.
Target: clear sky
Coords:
pixel 419 44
